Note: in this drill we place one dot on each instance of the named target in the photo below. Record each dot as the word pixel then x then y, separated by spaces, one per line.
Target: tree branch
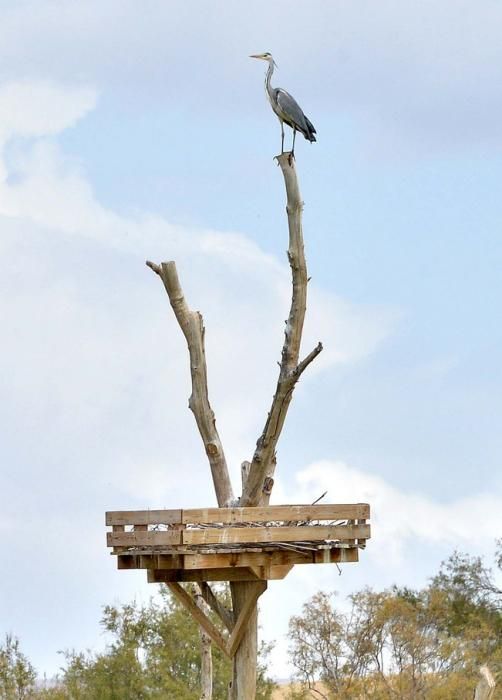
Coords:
pixel 263 463
pixel 191 324
pixel 216 606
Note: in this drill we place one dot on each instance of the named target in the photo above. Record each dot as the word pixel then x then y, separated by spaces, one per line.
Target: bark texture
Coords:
pixel 206 656
pixel 259 482
pixel 192 325
pixel 257 476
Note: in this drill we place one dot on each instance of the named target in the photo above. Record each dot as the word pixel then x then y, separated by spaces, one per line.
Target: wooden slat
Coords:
pixel 273 534
pixel 231 561
pixel 210 561
pixel 166 575
pixel 143 517
pixel 295 513
pixel 199 615
pixel 145 561
pixel 361 542
pixel 144 539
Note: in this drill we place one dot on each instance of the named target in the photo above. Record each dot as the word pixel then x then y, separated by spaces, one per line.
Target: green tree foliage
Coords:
pixel 402 643
pixel 17 675
pixel 154 654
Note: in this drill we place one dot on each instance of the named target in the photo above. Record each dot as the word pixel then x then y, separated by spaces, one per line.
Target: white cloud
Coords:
pixel 96 380
pixel 399 517
pixel 41 108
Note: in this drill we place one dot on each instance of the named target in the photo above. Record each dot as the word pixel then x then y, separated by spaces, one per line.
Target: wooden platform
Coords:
pixel 236 544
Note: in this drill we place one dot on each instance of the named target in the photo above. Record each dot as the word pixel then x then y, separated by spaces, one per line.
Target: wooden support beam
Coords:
pixel 229 562
pixel 216 605
pixel 244 615
pixel 168 575
pixel 188 602
pixel 272 573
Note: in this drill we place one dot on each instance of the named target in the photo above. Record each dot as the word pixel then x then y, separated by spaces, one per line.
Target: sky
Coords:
pixel 133 131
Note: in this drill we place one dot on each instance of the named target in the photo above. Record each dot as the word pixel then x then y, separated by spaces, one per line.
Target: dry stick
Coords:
pixel 191 324
pixel 259 482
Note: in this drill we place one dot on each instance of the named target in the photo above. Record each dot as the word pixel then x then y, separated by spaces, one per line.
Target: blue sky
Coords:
pixel 131 131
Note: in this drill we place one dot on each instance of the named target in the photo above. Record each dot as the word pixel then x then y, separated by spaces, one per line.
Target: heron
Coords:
pixel 285 106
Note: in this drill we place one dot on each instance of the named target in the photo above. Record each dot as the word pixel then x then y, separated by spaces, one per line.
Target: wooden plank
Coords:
pixel 337 556
pixel 143 517
pixel 244 615
pixel 149 561
pixel 230 562
pixel 144 539
pixel 300 533
pixel 361 542
pixel 200 616
pixel 295 513
pixel 211 561
pixel 199 575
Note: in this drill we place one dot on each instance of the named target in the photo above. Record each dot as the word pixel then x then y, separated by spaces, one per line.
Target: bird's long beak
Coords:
pixel 258 55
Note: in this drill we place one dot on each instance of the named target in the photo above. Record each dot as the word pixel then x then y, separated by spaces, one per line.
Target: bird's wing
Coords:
pixel 290 110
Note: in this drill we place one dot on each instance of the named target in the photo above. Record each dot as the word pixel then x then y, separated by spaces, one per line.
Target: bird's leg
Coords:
pixel 282 138
pixel 294 136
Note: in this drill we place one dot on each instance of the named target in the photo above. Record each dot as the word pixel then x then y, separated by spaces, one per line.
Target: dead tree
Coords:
pixel 259 474
pixel 244 541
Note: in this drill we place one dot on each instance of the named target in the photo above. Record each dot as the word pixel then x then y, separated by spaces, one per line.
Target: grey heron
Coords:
pixel 285 106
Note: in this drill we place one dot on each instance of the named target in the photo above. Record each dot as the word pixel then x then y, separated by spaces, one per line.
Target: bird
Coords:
pixel 285 106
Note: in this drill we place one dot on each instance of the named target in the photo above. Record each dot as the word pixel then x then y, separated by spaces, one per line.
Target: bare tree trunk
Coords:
pixel 259 482
pixel 258 476
pixel 206 657
pixel 486 686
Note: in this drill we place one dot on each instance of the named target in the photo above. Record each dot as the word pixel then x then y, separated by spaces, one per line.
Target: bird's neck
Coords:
pixel 268 77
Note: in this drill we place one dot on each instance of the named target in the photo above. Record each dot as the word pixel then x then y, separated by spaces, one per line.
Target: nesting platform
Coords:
pixel 236 544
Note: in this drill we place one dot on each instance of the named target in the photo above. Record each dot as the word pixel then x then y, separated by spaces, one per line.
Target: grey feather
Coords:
pixel 291 113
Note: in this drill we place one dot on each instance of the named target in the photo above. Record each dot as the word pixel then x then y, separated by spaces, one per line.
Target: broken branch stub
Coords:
pixel 259 482
pixel 191 324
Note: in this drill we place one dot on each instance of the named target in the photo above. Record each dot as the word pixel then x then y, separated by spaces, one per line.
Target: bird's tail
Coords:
pixel 309 135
